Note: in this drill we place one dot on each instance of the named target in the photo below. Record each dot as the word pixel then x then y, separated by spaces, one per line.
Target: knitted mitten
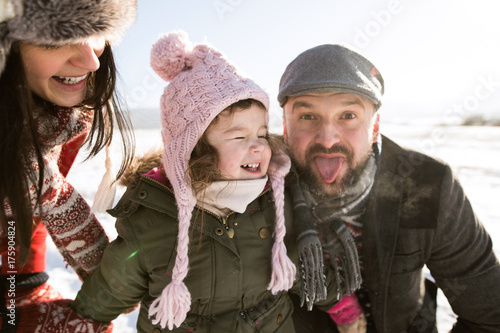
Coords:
pixel 43 293
pixel 56 317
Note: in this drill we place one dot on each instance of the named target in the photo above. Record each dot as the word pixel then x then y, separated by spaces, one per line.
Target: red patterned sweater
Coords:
pixel 76 232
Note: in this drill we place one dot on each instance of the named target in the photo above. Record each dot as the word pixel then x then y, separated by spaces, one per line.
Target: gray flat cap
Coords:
pixel 331 68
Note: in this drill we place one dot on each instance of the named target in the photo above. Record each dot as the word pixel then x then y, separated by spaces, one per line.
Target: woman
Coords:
pixel 56 92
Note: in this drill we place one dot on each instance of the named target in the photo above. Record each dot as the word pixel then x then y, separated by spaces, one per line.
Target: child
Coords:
pixel 201 238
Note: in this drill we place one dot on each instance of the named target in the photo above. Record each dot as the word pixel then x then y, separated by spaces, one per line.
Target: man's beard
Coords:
pixel 311 176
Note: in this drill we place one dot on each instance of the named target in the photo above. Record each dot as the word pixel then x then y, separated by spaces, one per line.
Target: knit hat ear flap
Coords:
pixel 7 10
pixel 168 59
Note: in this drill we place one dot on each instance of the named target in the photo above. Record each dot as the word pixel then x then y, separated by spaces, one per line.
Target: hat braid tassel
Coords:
pixel 283 270
pixel 172 306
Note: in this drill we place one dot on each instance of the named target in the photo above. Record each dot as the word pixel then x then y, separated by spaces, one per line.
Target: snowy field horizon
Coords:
pixel 472 151
pixel 394 113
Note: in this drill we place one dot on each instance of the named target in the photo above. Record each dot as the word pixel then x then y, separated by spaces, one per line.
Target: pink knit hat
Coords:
pixel 202 84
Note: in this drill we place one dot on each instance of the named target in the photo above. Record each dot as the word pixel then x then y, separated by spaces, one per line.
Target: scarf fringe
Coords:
pixel 346 262
pixel 354 282
pixel 312 284
pixel 313 280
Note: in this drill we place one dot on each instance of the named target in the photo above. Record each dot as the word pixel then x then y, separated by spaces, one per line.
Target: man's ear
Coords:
pixel 284 130
pixel 376 127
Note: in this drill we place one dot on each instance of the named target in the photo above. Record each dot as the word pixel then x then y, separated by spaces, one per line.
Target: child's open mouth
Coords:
pixel 251 167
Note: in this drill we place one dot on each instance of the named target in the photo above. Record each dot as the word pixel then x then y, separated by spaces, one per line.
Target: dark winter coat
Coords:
pixel 417 215
pixel 227 277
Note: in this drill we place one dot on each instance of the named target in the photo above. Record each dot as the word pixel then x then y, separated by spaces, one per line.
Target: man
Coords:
pixel 403 209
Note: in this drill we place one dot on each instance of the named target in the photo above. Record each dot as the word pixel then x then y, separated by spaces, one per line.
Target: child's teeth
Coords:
pixel 72 80
pixel 253 166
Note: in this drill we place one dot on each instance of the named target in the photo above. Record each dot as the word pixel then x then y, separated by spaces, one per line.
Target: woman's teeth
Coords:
pixel 71 79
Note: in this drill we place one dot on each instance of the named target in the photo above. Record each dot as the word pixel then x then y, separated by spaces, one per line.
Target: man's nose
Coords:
pixel 328 135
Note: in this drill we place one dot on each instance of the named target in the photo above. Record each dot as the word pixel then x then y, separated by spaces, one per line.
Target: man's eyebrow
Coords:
pixel 354 101
pixel 301 104
pixel 308 105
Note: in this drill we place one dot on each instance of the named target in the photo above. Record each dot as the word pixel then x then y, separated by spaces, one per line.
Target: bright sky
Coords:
pixel 440 57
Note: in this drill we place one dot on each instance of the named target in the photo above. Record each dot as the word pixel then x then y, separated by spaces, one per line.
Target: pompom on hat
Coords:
pixel 202 84
pixel 58 22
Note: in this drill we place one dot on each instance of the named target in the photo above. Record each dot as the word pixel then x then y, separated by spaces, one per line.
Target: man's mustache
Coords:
pixel 335 149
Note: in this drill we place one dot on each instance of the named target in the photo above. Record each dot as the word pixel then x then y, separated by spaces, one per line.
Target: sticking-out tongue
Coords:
pixel 329 168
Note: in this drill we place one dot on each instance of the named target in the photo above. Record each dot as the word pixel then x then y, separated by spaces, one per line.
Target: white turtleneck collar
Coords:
pixel 224 196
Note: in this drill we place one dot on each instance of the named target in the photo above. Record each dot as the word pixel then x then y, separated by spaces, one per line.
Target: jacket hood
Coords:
pixel 140 166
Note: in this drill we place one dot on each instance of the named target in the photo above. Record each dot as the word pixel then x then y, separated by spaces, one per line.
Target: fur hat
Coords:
pixel 57 22
pixel 202 84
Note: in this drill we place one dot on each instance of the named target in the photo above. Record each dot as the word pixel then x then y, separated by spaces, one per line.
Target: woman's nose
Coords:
pixel 87 54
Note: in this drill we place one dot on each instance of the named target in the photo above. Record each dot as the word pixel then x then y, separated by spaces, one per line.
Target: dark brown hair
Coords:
pixel 18 137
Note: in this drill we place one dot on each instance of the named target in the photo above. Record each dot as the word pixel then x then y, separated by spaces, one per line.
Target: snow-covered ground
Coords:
pixel 473 152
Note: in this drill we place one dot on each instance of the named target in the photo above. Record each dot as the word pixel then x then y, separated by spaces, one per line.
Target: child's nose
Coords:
pixel 257 145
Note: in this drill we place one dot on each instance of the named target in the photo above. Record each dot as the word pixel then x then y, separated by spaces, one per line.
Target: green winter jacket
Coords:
pixel 227 277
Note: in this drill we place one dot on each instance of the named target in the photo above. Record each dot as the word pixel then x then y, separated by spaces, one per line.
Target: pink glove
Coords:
pixel 56 317
pixel 346 311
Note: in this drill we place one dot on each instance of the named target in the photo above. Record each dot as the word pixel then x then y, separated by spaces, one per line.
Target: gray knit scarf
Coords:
pixel 312 215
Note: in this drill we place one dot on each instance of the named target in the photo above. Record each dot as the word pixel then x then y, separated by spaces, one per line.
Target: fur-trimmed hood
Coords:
pixel 140 166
